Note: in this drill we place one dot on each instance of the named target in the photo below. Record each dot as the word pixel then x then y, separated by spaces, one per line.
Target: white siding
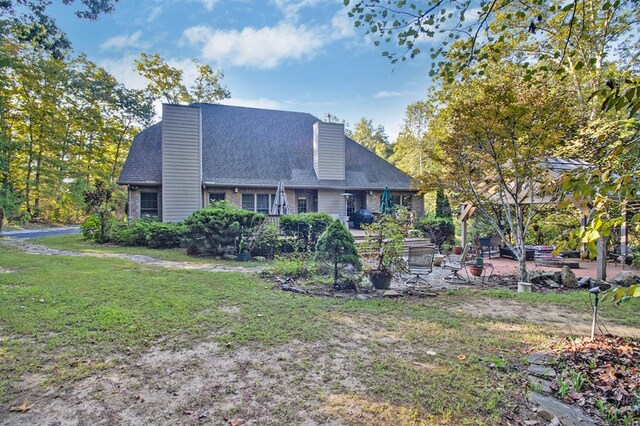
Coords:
pixel 331 202
pixel 328 150
pixel 181 162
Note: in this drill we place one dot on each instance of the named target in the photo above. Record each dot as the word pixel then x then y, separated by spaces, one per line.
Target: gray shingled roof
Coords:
pixel 258 147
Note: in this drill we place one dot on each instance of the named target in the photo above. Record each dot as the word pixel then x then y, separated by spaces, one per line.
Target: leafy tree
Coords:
pixel 491 150
pixel 29 21
pixel 481 33
pixel 166 82
pixel 99 203
pixel 336 245
pixel 373 138
pixel 413 141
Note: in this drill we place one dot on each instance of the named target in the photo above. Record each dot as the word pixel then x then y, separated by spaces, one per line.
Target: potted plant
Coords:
pixel 478 265
pixel 243 251
pixel 382 248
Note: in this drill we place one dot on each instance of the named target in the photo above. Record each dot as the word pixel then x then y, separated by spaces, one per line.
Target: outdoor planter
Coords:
pixel 475 270
pixel 438 259
pixel 457 250
pixel 245 256
pixel 380 280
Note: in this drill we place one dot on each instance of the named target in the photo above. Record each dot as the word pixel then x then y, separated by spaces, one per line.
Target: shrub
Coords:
pixel 336 245
pixel 266 241
pixel 211 230
pixel 164 235
pixel 306 227
pixel 299 265
pixel 439 229
pixel 90 227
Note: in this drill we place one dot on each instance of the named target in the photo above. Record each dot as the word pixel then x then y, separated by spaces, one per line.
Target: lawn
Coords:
pixel 75 242
pixel 108 341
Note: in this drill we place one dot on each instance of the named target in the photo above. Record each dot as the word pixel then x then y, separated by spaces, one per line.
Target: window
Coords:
pixel 302 204
pixel 249 201
pixel 260 203
pixel 401 200
pixel 216 196
pixel 148 204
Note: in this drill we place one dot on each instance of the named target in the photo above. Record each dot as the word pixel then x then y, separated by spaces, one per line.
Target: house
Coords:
pixel 204 152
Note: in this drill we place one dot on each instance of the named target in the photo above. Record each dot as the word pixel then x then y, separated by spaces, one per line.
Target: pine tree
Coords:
pixel 443 208
pixel 336 245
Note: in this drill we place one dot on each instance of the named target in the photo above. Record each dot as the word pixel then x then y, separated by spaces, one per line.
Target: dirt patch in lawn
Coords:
pixel 205 384
pixel 556 318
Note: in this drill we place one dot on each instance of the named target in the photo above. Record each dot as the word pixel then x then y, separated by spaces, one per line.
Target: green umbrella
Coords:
pixel 385 201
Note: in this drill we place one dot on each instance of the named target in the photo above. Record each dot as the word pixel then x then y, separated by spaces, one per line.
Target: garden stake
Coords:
pixel 595 291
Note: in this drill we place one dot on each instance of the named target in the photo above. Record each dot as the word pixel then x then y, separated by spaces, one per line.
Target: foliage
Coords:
pixel 98 202
pixel 493 136
pixel 1 217
pixel 443 208
pixel 336 246
pixel 382 246
pixel 439 230
pixel 297 265
pixel 564 37
pixel 211 230
pixel 10 203
pixel 90 227
pixel 373 138
pixel 135 233
pixel 266 241
pixel 63 125
pixel 164 235
pixel 30 22
pixel 306 227
pixel 166 82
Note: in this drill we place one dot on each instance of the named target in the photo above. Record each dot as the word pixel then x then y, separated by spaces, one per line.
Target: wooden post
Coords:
pixel 463 232
pixel 601 260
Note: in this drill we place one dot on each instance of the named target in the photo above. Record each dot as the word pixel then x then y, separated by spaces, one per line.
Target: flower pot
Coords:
pixel 480 261
pixel 457 250
pixel 245 256
pixel 476 271
pixel 524 287
pixel 437 259
pixel 380 280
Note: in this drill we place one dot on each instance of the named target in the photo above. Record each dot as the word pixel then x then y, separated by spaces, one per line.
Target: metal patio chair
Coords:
pixel 455 265
pixel 420 263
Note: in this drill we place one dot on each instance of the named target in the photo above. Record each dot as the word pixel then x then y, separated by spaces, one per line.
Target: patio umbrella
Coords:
pixel 280 205
pixel 385 201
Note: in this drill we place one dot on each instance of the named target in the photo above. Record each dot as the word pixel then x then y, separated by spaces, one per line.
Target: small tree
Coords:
pixel 336 245
pixel 443 208
pixel 98 202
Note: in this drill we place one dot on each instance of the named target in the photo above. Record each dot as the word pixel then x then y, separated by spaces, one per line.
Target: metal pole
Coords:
pixel 596 292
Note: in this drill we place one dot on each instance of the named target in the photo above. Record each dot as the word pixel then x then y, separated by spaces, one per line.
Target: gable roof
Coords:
pixel 259 147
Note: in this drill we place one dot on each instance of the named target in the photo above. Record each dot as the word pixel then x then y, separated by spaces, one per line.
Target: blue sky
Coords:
pixel 298 55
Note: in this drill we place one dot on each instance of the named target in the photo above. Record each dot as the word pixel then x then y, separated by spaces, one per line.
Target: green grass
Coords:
pixel 75 242
pixel 65 318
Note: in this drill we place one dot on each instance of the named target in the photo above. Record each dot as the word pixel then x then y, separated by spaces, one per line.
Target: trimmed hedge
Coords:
pixel 306 227
pixel 214 230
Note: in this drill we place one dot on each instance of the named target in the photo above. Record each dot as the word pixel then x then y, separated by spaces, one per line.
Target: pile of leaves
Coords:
pixel 602 376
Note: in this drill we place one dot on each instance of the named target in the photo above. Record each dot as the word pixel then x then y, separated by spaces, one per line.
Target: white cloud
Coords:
pixel 387 94
pixel 208 4
pixel 267 47
pixel 262 48
pixel 291 8
pixel 253 103
pixel 125 41
pixel 123 70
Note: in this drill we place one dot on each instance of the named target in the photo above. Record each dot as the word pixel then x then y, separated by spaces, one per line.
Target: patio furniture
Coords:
pixel 488 243
pixel 529 253
pixel 420 263
pixel 455 264
pixel 487 270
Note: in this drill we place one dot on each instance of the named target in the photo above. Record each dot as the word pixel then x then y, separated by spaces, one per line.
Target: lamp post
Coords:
pixel 346 196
